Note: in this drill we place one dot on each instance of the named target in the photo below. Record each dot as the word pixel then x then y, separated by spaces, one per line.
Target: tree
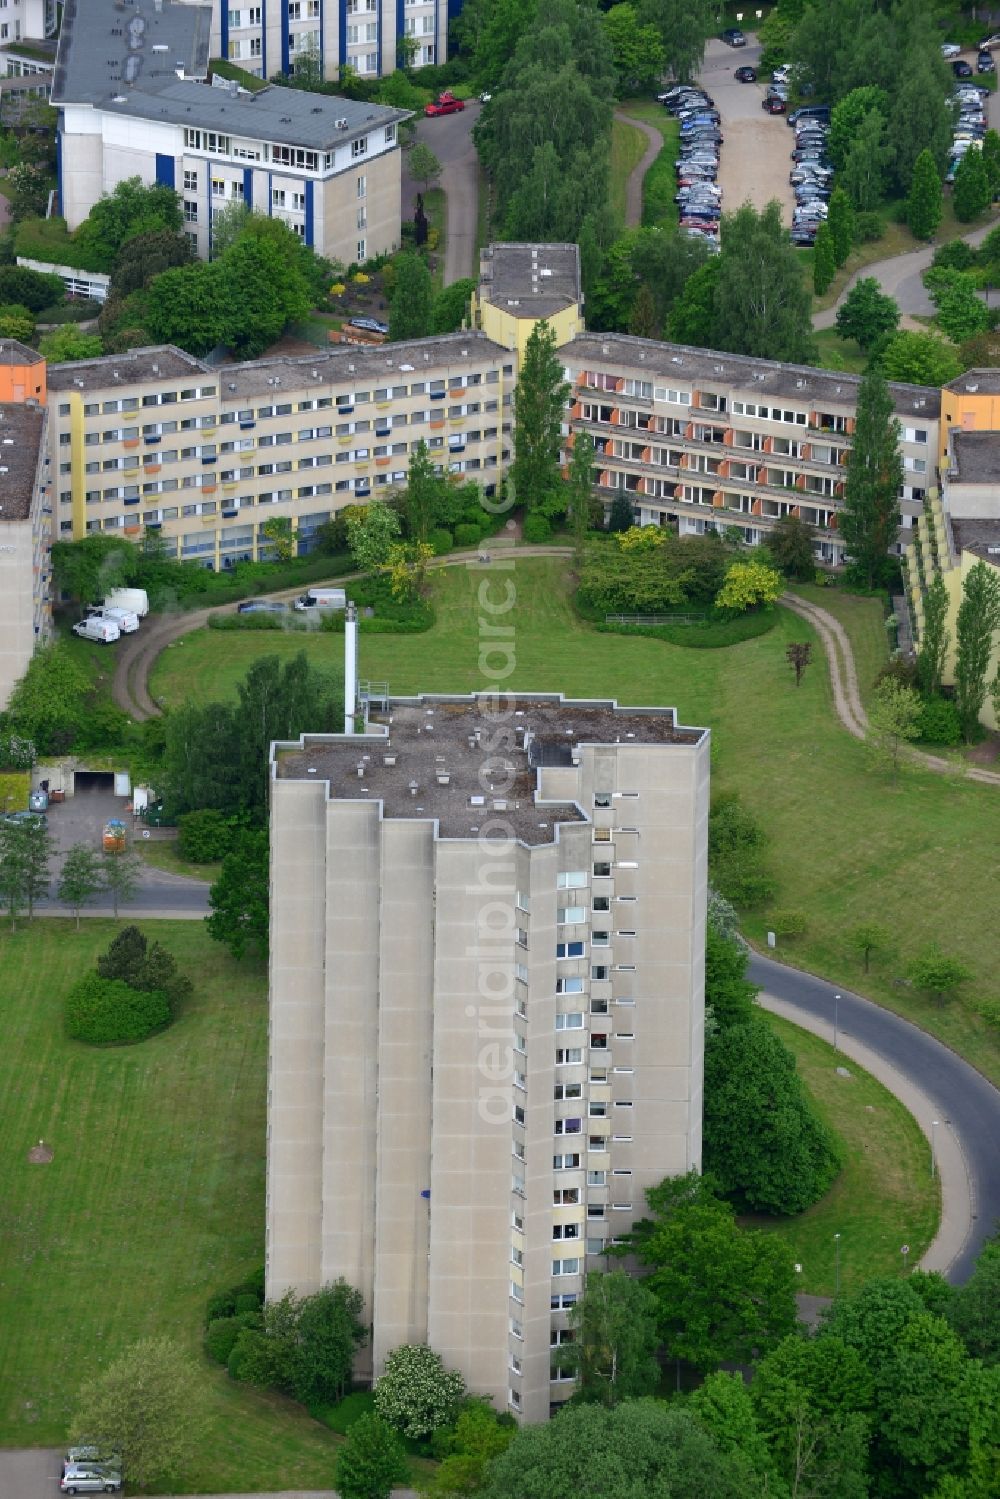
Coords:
pixel 692 317
pixel 935 636
pixel 748 585
pixel 919 359
pixel 761 305
pixel 893 719
pixel 187 306
pixel 869 520
pixel 641 1447
pixel 147 1407
pixel 372 1461
pixel 847 117
pixel 990 154
pixel 925 204
pixel 824 259
pixel 411 308
pixel 147 255
pixel 421 493
pixel 724 1293
pixel 867 314
pixel 867 938
pixel 978 619
pixel 31 289
pixel 764 1142
pixel 972 192
pixel 637 48
pixel 148 968
pixel 407 568
pixel 264 285
pixel 130 210
pixel 684 27
pixel 973 1309
pixel 450 308
pixel 480 1436
pixel 120 875
pixel 66 344
pixel 723 1405
pixel 961 313
pixel 580 489
pixel 937 973
pixel 539 410
pixel 842 225
pixel 807 1396
pixel 26 191
pixel 371 531
pixel 920 117
pixel 239 897
pixel 863 177
pixel 613 1351
pixel 728 993
pixel 47 704
pixel 422 165
pixel 791 543
pixel 797 655
pixel 80 880
pixel 416 1394
pixel 621 517
pixel 278 533
pixel 14 867
pixel 17 322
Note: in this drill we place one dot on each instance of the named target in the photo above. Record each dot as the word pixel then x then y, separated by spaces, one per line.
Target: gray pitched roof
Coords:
pixel 111 46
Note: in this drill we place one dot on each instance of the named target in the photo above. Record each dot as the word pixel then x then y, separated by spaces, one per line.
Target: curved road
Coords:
pixel 450 138
pixel 968 1105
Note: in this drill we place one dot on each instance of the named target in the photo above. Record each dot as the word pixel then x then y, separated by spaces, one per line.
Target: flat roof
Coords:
pixel 981 537
pixel 530 281
pixel 681 364
pixel 983 382
pixel 346 364
pixel 14 353
pixel 111 46
pixel 21 429
pixel 154 365
pixel 975 457
pixel 318 122
pixel 427 759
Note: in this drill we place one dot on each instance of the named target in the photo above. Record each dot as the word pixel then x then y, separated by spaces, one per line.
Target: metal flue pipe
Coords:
pixel 350 666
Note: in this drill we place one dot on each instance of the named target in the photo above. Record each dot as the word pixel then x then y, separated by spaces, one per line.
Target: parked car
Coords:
pixel 369 324
pixel 989 42
pixel 136 599
pixel 985 63
pixel 444 104
pixel 27 819
pixel 782 74
pixel 88 1455
pixel 961 68
pixel 810 112
pixel 97 628
pixel 950 49
pixel 322 598
pixel 733 37
pixel 91 1479
pixel 803 237
pixel 745 75
pixel 774 105
pixel 261 606
pixel 126 619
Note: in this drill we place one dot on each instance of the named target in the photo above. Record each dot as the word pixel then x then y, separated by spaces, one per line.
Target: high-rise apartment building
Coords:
pixel 277 36
pixel 487 1006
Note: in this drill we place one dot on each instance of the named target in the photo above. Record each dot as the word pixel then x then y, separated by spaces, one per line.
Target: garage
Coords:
pixel 90 781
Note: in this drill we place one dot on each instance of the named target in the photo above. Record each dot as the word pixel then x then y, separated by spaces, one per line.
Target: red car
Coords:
pixel 774 105
pixel 445 104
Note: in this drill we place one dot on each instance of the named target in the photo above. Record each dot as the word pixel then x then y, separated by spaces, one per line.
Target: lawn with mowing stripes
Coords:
pixel 884 1196
pixel 154 1197
pixel 844 841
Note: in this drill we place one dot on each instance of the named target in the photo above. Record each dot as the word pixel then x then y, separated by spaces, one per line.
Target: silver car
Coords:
pixel 89 1478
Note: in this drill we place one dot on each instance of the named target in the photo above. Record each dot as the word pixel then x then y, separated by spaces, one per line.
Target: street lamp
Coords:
pixel 836 1246
pixel 836 1022
pixel 904 1250
pixel 934 1125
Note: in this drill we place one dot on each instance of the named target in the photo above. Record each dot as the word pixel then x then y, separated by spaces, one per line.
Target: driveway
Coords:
pixel 757 150
pixel 30 1472
pixel 450 138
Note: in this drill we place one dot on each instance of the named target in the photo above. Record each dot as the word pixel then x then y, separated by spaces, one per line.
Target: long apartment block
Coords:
pixel 711 441
pixel 157 442
pixel 25 511
pixel 486 1014
pixel 277 36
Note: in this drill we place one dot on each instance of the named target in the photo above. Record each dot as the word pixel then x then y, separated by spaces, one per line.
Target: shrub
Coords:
pixel 537 528
pixel 223 1303
pixel 939 722
pixel 440 541
pixel 220 1338
pixel 107 1012
pixel 868 228
pixel 467 535
pixel 788 923
pixel 204 837
pixel 416 1393
pixel 149 969
pixel 956 255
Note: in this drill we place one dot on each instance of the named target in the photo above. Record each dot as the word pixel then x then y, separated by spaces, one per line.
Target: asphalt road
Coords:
pixel 450 138
pixel 756 155
pixel 969 1105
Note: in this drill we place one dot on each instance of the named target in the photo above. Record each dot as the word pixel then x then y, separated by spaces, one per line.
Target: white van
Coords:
pixel 96 627
pixel 322 598
pixel 125 619
pixel 135 599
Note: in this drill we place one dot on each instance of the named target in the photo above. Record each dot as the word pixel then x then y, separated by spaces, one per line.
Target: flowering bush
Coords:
pixel 747 585
pixel 361 279
pixel 338 289
pixel 16 752
pixel 417 1394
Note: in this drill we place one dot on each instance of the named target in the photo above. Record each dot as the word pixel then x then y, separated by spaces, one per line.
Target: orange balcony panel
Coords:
pixel 807 450
pixel 768 444
pixel 718 500
pixel 727 437
pixel 613 418
pixel 130 442
pixel 800 481
pixel 757 508
pixel 436 425
pixel 647 455
pixel 576 410
pixel 151 468
pixel 209 488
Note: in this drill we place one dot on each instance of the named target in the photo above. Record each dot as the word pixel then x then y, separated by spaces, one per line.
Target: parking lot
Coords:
pixel 30 1472
pixel 754 162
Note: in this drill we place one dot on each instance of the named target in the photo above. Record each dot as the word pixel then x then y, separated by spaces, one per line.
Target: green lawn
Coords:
pixel 162 854
pixel 863 620
pixel 885 1195
pixel 658 207
pixel 836 353
pixel 627 147
pixel 154 1198
pixel 843 839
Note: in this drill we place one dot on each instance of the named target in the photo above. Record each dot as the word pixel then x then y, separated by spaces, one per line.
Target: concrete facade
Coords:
pixel 325 35
pixel 25 538
pixel 487 1015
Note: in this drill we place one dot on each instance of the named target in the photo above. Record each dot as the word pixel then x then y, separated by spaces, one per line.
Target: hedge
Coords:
pixel 106 1012
pixel 702 634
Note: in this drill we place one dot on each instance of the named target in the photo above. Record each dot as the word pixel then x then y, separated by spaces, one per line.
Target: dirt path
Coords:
pixel 138 653
pixel 637 176
pixel 847 699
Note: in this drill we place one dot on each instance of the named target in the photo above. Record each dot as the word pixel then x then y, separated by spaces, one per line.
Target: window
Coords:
pixel 521 972
pixel 567 1090
pixel 572 879
pixel 362 185
pixel 569 1162
pixel 521 936
pixel 602 798
pixel 599 971
pixel 600 939
pixel 565 1267
pixel 572 1021
pixel 569 986
pixel 362 252
pixel 602 903
pixel 390 134
pixel 190 182
pixel 602 870
pixel 568 1056
pixel 570 949
pixel 566 1197
pixel 567 1127
pixel 190 212
pixel 571 915
pixel 359 147
pixel 516 1330
pixel 562 1303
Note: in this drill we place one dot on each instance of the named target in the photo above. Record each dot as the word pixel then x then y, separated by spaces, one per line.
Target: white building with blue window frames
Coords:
pixel 273 36
pixel 135 102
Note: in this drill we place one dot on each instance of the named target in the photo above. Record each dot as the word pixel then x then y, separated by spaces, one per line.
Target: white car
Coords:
pixel 90 1478
pixel 950 49
pixel 782 74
